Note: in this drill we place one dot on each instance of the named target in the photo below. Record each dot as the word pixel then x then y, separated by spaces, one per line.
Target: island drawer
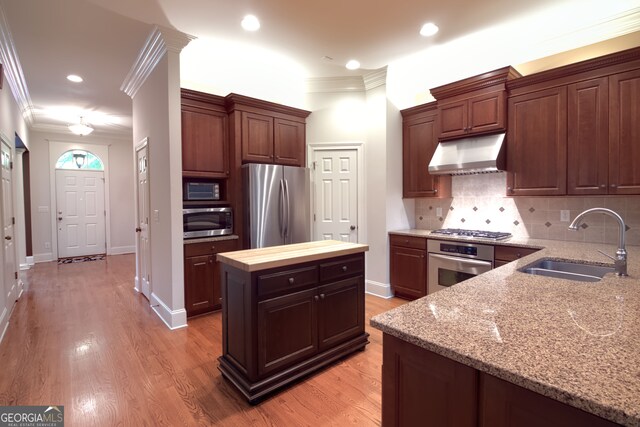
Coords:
pixel 209 248
pixel 288 280
pixel 511 253
pixel 408 241
pixel 345 267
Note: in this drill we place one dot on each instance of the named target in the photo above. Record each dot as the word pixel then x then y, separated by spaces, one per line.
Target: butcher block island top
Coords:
pixel 279 256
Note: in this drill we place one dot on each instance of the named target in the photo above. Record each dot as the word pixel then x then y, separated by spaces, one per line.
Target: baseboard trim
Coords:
pixel 30 261
pixel 25 266
pixel 378 289
pixel 121 250
pixel 174 319
pixel 135 285
pixel 46 257
pixel 4 323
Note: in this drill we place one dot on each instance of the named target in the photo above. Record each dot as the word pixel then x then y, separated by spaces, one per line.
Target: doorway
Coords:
pixel 337 192
pixel 80 213
pixel 143 255
pixel 8 221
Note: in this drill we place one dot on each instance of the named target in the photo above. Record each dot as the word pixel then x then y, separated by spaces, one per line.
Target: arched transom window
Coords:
pixel 79 159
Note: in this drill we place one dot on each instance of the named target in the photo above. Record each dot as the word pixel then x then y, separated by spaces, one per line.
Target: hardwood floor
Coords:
pixel 80 336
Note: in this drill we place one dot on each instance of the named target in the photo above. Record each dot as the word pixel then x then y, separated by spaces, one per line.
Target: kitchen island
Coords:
pixel 288 311
pixel 510 348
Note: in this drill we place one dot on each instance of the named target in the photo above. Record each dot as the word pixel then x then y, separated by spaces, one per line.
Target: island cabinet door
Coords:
pixel 287 330
pixel 421 388
pixel 341 311
pixel 503 404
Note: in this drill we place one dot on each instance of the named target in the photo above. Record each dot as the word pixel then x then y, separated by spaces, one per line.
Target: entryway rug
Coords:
pixel 81 259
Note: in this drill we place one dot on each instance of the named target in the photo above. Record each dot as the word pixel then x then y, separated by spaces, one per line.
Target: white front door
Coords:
pixel 142 229
pixel 336 195
pixel 80 212
pixel 10 276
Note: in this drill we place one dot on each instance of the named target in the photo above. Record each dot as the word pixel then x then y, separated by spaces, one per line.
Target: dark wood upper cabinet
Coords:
pixel 419 142
pixel 287 147
pixel 624 133
pixel 205 135
pixel 257 138
pixel 473 106
pixel 267 132
pixel 588 137
pixel 537 143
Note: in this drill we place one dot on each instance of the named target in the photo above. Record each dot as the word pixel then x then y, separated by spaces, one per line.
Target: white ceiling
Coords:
pixel 100 39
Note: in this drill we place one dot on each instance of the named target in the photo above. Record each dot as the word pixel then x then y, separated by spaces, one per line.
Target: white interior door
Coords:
pixel 80 212
pixel 336 195
pixel 142 230
pixel 10 271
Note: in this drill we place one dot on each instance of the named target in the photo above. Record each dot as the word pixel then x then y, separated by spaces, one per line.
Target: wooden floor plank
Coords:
pixel 81 336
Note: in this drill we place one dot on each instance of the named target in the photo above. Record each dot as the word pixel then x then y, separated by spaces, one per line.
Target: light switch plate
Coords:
pixel 438 212
pixel 564 216
pixel 156 215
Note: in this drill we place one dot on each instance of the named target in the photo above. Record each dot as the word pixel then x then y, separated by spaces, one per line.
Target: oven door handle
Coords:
pixel 462 259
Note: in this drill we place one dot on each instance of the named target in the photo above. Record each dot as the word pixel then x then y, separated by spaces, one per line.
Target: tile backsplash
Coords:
pixel 479 203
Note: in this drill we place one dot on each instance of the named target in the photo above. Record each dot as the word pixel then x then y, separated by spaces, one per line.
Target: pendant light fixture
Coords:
pixel 81 128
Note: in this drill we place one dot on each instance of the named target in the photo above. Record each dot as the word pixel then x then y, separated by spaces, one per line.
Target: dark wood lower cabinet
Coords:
pixel 283 323
pixel 422 388
pixel 408 266
pixel 202 275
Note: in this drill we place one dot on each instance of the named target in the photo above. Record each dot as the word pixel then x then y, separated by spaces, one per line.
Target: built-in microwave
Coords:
pixel 201 191
pixel 207 222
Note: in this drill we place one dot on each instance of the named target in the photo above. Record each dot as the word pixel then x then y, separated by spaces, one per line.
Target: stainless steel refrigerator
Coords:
pixel 277 210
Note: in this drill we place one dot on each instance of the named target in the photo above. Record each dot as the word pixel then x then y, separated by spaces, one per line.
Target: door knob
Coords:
pixel 353 227
pixel 59 218
pixel 138 229
pixel 7 237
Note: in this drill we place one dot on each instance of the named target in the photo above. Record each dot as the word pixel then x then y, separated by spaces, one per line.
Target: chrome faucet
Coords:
pixel 620 260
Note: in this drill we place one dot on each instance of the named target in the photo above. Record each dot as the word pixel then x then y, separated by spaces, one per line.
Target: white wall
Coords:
pixel 156 115
pixel 121 212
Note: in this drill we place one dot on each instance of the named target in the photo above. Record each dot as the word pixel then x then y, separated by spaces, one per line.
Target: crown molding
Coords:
pixel 13 70
pixel 160 40
pixel 375 78
pixel 335 84
pixel 606 28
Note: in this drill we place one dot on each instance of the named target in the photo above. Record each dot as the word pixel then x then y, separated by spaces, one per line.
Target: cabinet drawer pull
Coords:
pixel 518 255
pixel 291 280
pixel 213 248
pixel 321 296
pixel 315 297
pixel 613 185
pixel 344 268
pixel 603 185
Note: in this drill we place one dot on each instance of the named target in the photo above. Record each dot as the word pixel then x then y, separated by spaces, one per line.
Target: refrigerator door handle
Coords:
pixel 281 197
pixel 287 210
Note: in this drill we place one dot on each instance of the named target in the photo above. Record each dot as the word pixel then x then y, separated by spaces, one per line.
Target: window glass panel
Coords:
pixel 79 159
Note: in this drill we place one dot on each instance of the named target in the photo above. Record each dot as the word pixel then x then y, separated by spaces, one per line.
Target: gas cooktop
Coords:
pixel 456 232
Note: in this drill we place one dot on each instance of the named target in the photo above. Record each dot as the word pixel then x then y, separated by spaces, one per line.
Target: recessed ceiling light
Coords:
pixel 429 29
pixel 353 65
pixel 250 23
pixel 74 78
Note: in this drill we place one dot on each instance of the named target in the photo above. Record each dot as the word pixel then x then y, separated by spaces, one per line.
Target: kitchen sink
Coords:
pixel 570 270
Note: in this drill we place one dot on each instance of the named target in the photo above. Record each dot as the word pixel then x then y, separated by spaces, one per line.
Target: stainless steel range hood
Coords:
pixel 480 154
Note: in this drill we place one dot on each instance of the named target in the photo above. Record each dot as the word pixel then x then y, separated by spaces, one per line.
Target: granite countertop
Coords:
pixel 280 256
pixel 576 342
pixel 211 239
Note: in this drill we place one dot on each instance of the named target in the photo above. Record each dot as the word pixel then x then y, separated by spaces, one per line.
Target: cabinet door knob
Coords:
pixel 613 185
pixel 509 189
pixel 344 268
pixel 518 255
pixel 213 248
pixel 321 296
pixel 603 185
pixel 435 191
pixel 226 172
pixel 291 280
pixel 315 297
